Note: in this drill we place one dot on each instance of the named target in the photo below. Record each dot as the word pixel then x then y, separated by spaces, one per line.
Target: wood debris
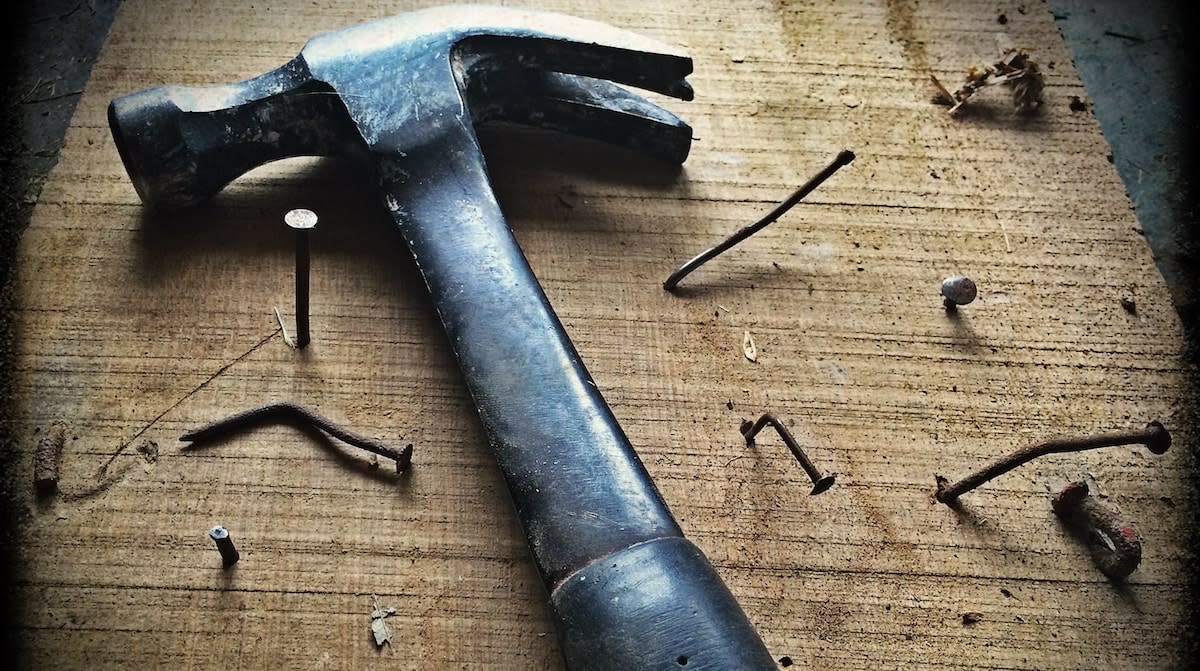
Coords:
pixel 379 628
pixel 283 329
pixel 748 347
pixel 1015 70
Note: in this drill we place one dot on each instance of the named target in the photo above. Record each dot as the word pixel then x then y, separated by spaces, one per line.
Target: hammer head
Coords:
pixel 388 87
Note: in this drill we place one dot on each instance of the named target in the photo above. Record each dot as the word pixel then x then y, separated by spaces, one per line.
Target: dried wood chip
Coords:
pixel 382 632
pixel 379 628
pixel 748 347
pixel 287 340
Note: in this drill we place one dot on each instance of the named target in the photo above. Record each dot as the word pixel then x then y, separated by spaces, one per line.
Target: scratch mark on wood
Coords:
pixel 104 468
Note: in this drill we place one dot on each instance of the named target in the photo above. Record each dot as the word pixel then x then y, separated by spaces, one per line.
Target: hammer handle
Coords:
pixel 579 488
pixel 628 590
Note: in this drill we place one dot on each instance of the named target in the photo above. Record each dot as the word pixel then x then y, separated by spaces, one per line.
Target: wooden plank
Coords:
pixel 134 324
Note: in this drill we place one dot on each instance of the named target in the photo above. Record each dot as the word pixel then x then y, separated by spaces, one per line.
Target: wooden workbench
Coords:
pixel 134 327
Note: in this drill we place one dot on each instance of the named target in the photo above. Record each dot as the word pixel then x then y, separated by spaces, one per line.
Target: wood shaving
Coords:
pixel 748 347
pixel 283 329
pixel 379 628
pixel 1015 70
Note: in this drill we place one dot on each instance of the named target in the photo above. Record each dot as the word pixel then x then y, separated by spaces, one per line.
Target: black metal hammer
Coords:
pixel 404 94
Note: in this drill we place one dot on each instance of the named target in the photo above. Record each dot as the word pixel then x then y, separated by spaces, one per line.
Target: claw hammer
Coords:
pixel 403 94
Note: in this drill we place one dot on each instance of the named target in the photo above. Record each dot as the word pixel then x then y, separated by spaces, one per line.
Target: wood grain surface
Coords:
pixel 135 327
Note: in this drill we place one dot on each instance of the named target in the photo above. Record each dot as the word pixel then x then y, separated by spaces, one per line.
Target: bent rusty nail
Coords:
pixel 844 157
pixel 237 421
pixel 1154 436
pixel 1114 543
pixel 821 482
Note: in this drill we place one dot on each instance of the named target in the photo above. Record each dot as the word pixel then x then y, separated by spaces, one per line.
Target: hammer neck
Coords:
pixel 579 488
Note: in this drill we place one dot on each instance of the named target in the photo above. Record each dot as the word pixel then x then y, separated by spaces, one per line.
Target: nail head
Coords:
pixel 229 553
pixel 959 290
pixel 1071 495
pixel 822 485
pixel 300 219
pixel 1159 440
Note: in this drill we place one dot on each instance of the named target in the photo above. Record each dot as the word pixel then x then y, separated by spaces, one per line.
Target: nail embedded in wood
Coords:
pixel 1154 436
pixel 297 412
pixel 229 554
pixel 48 458
pixel 958 290
pixel 1114 543
pixel 302 221
pixel 844 157
pixel 821 482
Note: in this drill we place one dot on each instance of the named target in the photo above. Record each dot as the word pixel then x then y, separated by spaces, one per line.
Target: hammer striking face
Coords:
pixel 404 94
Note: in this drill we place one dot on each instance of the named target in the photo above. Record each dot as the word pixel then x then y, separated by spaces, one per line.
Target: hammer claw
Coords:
pixel 650 70
pixel 583 106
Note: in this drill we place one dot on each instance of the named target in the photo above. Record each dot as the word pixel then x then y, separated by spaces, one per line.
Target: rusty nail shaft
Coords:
pixel 302 221
pixel 220 536
pixel 844 157
pixel 821 482
pixel 1154 436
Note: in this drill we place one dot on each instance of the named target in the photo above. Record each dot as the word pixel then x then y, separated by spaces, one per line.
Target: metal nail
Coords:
pixel 844 157
pixel 302 221
pixel 821 482
pixel 958 290
pixel 1114 543
pixel 220 536
pixel 295 411
pixel 1154 436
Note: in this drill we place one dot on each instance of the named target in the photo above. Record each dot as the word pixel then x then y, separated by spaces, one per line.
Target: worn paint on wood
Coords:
pixel 133 324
